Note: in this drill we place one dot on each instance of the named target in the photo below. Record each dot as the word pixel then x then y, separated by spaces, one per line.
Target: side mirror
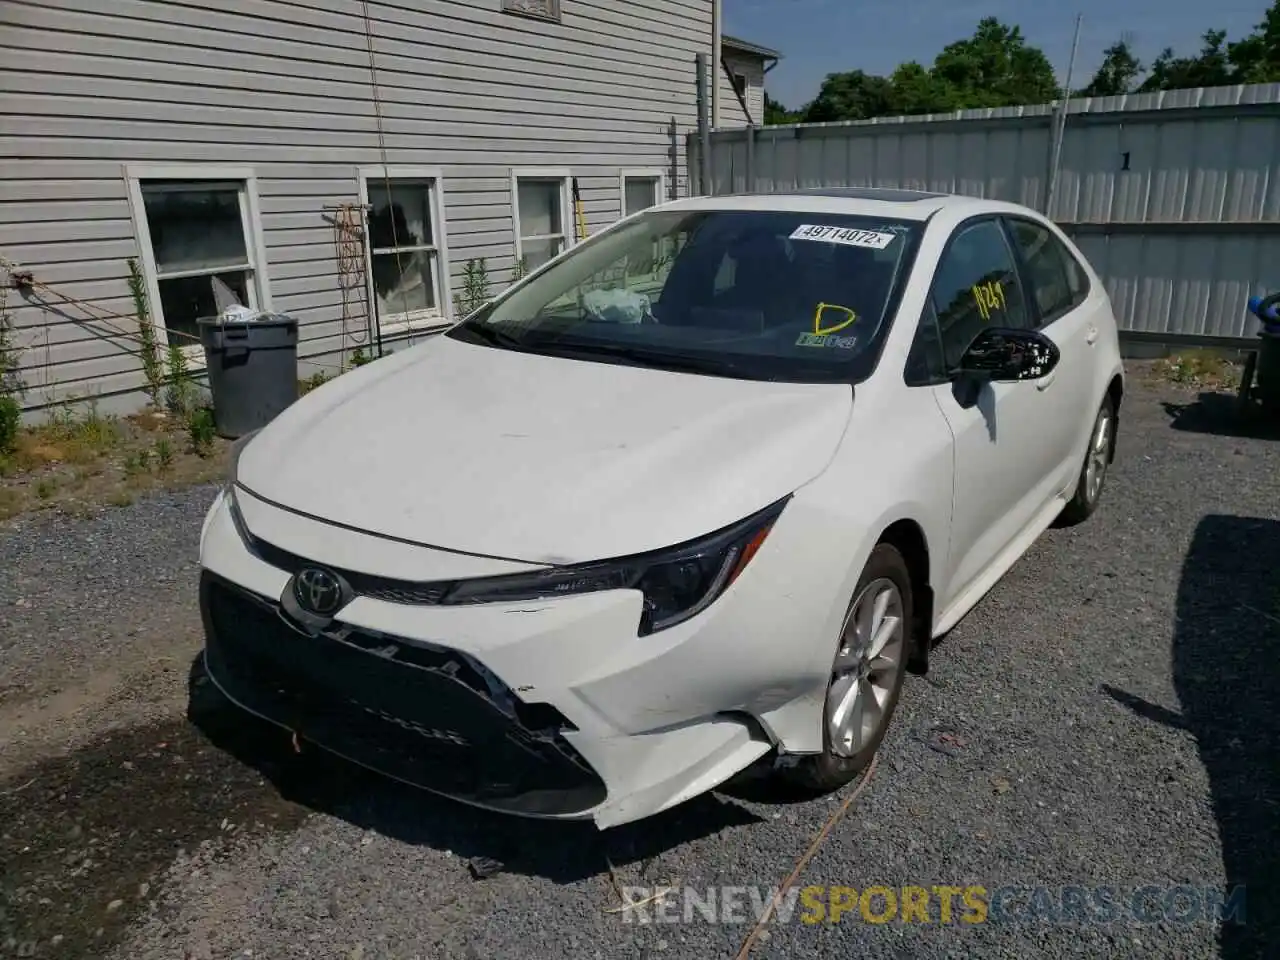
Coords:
pixel 1009 354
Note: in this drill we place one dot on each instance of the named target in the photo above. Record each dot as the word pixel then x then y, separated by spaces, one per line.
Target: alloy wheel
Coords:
pixel 865 672
pixel 1095 470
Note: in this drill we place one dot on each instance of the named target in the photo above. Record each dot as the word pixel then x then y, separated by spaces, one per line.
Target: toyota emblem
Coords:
pixel 318 591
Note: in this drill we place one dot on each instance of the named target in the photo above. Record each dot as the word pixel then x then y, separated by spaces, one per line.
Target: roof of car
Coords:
pixel 870 201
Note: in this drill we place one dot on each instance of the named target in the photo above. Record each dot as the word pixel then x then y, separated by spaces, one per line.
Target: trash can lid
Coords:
pixel 259 319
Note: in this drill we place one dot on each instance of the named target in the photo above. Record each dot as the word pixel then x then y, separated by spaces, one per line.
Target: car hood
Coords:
pixel 540 459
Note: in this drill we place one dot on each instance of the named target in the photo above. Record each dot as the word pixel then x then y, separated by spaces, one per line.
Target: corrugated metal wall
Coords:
pixel 1174 197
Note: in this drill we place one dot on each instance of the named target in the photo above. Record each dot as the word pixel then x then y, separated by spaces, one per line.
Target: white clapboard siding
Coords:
pixel 283 88
pixel 731 112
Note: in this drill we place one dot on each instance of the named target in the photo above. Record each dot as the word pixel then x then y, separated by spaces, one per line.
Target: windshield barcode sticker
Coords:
pixel 850 238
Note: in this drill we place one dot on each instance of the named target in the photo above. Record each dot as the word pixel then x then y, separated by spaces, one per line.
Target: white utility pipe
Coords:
pixel 715 63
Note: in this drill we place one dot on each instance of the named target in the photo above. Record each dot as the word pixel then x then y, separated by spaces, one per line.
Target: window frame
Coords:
pixel 550 14
pixel 564 177
pixel 1027 298
pixel 258 286
pixel 656 174
pixel 1042 319
pixel 415 320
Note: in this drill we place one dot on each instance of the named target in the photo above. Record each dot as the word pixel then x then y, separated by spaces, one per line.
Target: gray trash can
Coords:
pixel 253 370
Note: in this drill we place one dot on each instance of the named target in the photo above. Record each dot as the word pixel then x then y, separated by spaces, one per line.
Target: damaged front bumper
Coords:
pixel 430 717
pixel 553 709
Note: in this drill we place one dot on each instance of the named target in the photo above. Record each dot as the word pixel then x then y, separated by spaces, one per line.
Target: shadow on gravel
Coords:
pixel 1219 414
pixel 560 852
pixel 86 839
pixel 1226 669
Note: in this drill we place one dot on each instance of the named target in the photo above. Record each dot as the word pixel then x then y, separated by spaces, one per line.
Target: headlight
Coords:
pixel 677 583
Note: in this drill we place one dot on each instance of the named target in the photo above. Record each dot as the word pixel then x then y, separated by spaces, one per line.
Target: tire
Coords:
pixel 837 765
pixel 1088 495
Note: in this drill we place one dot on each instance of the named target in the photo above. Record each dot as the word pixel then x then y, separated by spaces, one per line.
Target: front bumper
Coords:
pixel 550 709
pixel 428 717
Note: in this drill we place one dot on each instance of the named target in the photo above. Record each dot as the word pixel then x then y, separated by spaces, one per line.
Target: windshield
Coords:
pixel 759 295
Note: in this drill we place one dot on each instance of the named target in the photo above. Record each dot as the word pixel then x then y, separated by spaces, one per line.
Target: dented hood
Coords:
pixel 541 459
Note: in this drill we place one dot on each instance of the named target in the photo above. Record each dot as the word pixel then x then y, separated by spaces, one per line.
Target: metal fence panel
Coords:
pixel 1151 186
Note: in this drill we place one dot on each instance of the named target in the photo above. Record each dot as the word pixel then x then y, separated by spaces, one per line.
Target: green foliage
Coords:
pixel 1254 58
pixel 137 463
pixel 1118 73
pixel 10 424
pixel 152 366
pixel 164 452
pixel 475 289
pixel 521 270
pixel 996 67
pixel 1209 68
pixel 850 96
pixel 202 431
pixel 12 389
pixel 359 358
pixel 181 394
pixel 775 112
pixel 317 379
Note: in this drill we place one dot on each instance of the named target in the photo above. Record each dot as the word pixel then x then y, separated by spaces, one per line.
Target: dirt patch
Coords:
pixel 1196 368
pixel 133 680
pixel 86 839
pixel 81 461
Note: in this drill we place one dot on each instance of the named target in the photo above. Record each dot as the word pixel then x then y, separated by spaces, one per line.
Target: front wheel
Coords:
pixel 1093 472
pixel 866 674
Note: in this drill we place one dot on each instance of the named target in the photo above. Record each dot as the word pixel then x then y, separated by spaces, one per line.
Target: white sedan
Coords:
pixel 691 497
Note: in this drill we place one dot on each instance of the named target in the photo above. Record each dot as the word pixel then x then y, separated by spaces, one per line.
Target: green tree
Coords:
pixel 918 90
pixel 849 96
pixel 1256 58
pixel 995 68
pixel 1118 74
pixel 1209 68
pixel 775 112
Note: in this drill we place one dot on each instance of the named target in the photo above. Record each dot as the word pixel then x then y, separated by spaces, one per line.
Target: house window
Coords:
pixel 739 84
pixel 537 9
pixel 540 203
pixel 200 238
pixel 408 259
pixel 640 189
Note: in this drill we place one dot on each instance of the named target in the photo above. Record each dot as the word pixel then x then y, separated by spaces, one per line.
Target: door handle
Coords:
pixel 1092 336
pixel 1045 382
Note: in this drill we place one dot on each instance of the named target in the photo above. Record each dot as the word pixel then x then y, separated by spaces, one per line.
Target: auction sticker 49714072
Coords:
pixel 843 235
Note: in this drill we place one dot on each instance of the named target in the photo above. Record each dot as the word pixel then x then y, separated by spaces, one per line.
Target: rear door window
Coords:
pixel 1057 281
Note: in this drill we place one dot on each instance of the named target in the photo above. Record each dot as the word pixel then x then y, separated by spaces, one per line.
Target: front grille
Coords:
pixel 366 585
pixel 430 717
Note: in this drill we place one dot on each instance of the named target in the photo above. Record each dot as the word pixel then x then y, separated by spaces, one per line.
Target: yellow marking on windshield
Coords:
pixel 820 330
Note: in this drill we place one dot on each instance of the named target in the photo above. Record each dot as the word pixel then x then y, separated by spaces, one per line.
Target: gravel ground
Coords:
pixel 1108 716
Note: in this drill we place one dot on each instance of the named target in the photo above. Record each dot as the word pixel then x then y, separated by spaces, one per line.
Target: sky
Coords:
pixel 817 37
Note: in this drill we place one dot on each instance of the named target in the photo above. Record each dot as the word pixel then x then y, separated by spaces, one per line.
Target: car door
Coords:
pixel 1058 294
pixel 1008 445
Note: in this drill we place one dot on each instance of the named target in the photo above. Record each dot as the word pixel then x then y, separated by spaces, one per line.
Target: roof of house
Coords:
pixel 743 46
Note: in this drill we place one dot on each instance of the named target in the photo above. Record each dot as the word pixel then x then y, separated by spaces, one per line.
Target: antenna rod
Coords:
pixel 1061 124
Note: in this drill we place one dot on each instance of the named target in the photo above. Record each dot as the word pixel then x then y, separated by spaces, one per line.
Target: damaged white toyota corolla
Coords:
pixel 691 496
